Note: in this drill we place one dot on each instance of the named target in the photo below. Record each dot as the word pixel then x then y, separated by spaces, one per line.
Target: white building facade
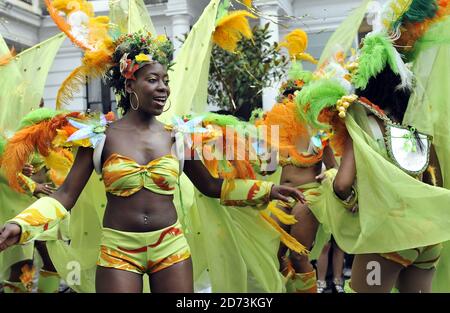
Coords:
pixel 23 24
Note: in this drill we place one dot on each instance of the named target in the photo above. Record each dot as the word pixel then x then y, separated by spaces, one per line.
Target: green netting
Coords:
pixel 23 80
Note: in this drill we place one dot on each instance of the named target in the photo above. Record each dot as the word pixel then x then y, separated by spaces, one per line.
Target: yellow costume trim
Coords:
pixel 245 192
pixel 42 215
pixel 285 238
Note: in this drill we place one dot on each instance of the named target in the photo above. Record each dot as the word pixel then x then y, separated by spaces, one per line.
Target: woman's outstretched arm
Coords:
pixel 215 187
pixel 47 211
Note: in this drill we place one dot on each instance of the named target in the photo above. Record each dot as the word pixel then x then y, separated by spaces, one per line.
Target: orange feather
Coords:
pixel 62 24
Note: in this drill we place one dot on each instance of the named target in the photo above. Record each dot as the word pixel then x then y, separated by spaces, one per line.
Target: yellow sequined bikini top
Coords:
pixel 124 177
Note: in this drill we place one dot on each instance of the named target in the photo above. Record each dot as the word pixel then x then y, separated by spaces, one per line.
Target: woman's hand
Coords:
pixel 280 192
pixel 28 170
pixel 321 177
pixel 9 235
pixel 354 209
pixel 45 189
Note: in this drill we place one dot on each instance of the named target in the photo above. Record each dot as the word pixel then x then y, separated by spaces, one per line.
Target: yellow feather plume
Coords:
pixel 284 218
pixel 231 28
pixel 285 238
pixel 432 171
pixel 71 85
pixel 70 6
pixel 95 64
pixel 296 42
pixel 98 32
pixel 395 10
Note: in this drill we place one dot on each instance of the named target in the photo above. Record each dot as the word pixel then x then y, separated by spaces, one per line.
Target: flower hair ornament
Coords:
pixel 147 50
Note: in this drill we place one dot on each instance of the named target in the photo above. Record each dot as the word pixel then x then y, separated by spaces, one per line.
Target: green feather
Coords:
pixel 37 116
pixel 315 97
pixel 256 115
pixel 242 127
pixel 377 51
pixel 221 119
pixel 420 10
pixel 3 142
pixel 296 72
pixel 222 10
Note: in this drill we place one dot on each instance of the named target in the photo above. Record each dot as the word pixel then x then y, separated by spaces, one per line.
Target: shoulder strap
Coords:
pixel 97 156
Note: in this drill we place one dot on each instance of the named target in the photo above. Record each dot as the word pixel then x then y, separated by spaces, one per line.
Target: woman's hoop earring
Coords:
pixel 170 104
pixel 131 102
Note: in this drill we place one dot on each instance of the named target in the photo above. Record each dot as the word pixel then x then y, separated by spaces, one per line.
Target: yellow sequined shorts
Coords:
pixel 423 257
pixel 143 252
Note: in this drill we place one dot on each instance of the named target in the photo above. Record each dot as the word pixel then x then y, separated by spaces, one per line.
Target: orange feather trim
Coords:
pixel 291 129
pixel 37 137
pixel 63 25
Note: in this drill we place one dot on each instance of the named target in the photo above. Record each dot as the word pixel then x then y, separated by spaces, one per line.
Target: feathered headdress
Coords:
pixel 396 29
pixel 296 42
pixel 76 19
pixel 232 26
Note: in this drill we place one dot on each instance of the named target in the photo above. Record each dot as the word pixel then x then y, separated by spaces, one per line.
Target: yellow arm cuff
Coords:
pixel 42 216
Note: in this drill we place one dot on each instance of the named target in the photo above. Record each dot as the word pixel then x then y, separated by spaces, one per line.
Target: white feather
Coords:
pixel 403 71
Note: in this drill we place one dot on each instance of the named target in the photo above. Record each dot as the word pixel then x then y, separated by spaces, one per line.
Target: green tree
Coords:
pixel 236 80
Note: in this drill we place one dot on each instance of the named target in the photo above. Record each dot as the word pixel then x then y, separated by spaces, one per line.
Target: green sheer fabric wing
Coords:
pixel 429 111
pixel 76 261
pixel 3 46
pixel 344 36
pixel 189 78
pixel 23 80
pixel 441 280
pixel 395 210
pixel 238 248
pixel 11 204
pixel 130 16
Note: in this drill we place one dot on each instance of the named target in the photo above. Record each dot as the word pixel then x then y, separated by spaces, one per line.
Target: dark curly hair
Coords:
pixel 135 44
pixel 382 90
